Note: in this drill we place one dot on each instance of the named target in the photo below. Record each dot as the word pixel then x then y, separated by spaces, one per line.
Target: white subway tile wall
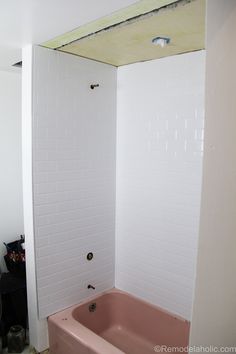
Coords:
pixel 74 137
pixel 160 126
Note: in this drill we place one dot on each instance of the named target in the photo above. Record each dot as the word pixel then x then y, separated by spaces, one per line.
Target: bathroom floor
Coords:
pixel 26 351
pixel 127 341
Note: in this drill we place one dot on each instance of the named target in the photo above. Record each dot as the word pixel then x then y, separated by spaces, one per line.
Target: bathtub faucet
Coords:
pixel 91 287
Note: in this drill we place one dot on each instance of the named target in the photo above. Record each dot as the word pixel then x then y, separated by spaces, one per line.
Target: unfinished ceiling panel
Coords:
pixel 138 8
pixel 129 41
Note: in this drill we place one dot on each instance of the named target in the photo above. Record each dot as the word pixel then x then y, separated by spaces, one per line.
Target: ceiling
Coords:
pixel 130 41
pixel 36 21
pixel 134 10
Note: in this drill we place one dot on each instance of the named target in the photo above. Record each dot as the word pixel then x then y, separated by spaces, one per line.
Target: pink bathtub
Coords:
pixel 115 323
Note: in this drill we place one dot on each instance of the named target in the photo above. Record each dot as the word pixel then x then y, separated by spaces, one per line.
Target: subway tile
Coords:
pixel 74 178
pixel 159 169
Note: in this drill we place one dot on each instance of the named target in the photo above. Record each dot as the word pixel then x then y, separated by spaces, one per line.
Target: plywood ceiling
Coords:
pixel 130 41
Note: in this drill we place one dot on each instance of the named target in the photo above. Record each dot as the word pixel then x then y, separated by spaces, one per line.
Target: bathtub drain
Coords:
pixel 92 307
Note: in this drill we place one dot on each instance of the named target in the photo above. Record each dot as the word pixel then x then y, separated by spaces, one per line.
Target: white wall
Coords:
pixel 74 136
pixel 159 168
pixel 214 320
pixel 11 208
pixel 37 328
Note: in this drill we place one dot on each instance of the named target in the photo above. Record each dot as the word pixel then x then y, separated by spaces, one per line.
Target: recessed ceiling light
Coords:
pixel 161 41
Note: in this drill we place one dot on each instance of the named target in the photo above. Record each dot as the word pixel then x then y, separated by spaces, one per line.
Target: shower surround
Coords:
pixel 116 172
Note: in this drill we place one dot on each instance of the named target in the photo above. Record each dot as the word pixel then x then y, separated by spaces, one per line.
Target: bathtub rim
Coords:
pixel 122 292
